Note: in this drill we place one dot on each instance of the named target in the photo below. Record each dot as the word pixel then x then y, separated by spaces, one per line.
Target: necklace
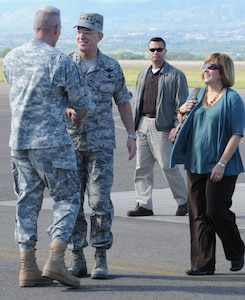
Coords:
pixel 210 103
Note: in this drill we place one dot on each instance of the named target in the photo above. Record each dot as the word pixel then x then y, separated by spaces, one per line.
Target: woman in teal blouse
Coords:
pixel 208 146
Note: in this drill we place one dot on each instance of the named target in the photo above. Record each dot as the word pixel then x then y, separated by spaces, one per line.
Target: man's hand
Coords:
pixel 131 145
pixel 72 115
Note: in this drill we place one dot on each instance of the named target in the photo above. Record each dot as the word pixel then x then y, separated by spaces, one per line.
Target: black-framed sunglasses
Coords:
pixel 211 66
pixel 156 49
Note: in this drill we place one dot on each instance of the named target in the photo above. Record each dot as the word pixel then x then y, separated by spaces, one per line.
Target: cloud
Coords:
pixel 26 3
pixel 16 18
pixel 61 2
pixel 121 1
pixel 18 15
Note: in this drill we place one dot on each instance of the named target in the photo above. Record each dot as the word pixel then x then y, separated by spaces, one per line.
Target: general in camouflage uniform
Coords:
pixel 42 80
pixel 94 142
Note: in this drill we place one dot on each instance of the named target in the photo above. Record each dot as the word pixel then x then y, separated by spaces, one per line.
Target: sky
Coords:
pixel 120 16
pixel 17 15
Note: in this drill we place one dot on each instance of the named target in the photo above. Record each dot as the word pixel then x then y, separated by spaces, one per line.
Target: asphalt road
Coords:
pixel 148 257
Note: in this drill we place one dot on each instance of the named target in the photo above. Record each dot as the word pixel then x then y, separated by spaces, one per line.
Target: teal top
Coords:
pixel 206 132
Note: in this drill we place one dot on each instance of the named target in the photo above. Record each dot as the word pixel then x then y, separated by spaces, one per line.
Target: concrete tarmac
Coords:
pixel 149 255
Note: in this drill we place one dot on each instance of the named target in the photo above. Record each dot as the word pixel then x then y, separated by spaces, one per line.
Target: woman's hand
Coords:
pixel 219 169
pixel 217 173
pixel 187 106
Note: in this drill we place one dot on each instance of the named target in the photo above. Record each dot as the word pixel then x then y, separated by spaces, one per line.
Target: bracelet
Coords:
pixel 132 136
pixel 221 164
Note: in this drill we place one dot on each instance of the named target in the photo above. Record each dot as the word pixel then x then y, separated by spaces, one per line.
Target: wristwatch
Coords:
pixel 132 136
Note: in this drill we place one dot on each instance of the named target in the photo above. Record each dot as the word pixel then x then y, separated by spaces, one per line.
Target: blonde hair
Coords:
pixel 227 70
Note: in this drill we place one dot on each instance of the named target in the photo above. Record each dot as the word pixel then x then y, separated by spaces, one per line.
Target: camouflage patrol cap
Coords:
pixel 91 21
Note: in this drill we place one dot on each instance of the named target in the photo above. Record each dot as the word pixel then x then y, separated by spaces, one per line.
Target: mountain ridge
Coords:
pixel 187 25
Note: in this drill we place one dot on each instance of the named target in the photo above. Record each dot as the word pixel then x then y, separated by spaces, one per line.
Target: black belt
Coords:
pixel 149 115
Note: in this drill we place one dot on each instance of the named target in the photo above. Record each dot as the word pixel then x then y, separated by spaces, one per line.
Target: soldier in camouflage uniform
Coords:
pixel 42 80
pixel 94 142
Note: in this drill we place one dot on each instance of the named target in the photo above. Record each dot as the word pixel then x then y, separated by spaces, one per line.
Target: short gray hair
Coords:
pixel 46 17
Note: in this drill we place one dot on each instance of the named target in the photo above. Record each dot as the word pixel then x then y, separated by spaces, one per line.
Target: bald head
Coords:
pixel 46 23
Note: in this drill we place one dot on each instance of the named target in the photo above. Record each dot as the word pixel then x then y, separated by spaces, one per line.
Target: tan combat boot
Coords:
pixel 30 275
pixel 55 266
pixel 78 266
pixel 100 270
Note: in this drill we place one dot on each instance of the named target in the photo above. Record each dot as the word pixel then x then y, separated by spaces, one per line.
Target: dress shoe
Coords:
pixel 182 210
pixel 198 272
pixel 237 265
pixel 139 211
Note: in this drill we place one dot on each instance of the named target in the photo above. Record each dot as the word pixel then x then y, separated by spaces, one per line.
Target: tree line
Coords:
pixel 127 55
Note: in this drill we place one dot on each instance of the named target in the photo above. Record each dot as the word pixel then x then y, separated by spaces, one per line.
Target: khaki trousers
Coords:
pixel 154 146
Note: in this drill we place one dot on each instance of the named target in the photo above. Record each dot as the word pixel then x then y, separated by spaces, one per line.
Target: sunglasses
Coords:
pixel 211 66
pixel 156 49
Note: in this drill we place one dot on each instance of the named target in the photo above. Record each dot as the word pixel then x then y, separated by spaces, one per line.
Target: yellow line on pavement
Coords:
pixel 167 271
